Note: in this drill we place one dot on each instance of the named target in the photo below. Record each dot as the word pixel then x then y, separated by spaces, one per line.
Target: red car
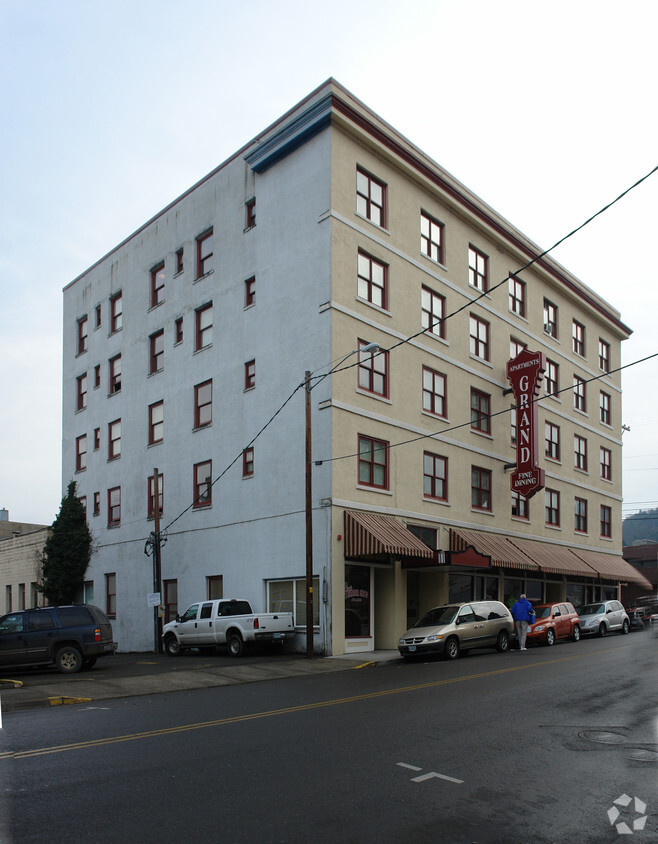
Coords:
pixel 553 622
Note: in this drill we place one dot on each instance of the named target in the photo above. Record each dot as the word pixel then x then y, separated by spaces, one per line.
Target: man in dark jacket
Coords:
pixel 521 613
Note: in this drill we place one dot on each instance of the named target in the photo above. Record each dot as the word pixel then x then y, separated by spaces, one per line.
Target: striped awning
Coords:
pixel 503 553
pixel 555 559
pixel 613 566
pixel 371 534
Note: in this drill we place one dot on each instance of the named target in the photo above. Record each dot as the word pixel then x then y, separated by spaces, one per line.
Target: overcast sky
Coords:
pixel 110 110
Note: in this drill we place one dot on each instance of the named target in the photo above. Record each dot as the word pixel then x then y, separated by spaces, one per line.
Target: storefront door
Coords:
pixel 359 622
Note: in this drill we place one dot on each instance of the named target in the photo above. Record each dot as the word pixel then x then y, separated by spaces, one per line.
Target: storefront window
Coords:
pixel 513 591
pixel 357 601
pixel 460 588
pixel 534 591
pixel 486 588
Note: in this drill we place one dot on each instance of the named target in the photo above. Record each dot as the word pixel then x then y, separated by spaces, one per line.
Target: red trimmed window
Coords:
pixel 432 312
pixel 204 253
pixel 111 594
pixel 114 440
pixel 431 237
pixel 373 371
pixel 480 411
pixel 151 495
pixel 578 338
pixel 248 462
pixel 97 438
pixel 97 504
pixel 552 439
pixel 373 462
pixel 552 498
pixel 514 431
pixel 203 327
pixel 81 400
pixel 156 422
pixel 178 330
pixel 97 375
pixel 579 395
pixel 372 281
pixel 116 313
pixel 250 291
pixel 606 463
pixel 203 484
pixel 179 261
pixel 580 515
pixel 115 374
pixel 203 404
pixel 479 340
pixel 435 476
pixel 550 318
pixel 435 398
pixel 480 488
pixel 250 213
pixel 580 452
pixel 114 506
pixel 250 374
pixel 478 269
pixel 606 521
pixel 370 198
pixel 604 408
pixel 517 292
pixel 214 586
pixel 81 453
pixel 98 316
pixel 156 352
pixel 83 334
pixel 516 347
pixel 520 506
pixel 157 284
pixel 604 356
pixel 551 378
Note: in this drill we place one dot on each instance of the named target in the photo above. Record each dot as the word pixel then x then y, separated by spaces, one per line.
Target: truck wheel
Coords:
pixel 235 644
pixel 172 646
pixel 69 659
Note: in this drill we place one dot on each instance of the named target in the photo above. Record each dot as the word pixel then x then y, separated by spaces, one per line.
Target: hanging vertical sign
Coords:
pixel 526 373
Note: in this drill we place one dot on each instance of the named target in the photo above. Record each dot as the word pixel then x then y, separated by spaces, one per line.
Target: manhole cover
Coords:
pixel 603 737
pixel 644 755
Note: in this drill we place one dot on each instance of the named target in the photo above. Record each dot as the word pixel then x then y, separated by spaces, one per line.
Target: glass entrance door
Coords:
pixel 358 609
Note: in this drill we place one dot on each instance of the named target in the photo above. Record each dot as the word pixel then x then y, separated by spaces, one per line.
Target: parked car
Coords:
pixel 553 622
pixel 459 627
pixel 602 618
pixel 638 620
pixel 70 637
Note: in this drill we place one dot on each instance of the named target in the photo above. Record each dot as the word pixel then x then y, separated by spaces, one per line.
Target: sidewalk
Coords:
pixel 127 675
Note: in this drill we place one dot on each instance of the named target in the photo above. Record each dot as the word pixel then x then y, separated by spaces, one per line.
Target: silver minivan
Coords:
pixel 456 627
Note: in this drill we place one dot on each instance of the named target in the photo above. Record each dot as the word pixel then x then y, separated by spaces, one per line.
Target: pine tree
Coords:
pixel 67 552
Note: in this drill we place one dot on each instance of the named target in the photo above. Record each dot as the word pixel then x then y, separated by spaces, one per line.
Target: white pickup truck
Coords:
pixel 225 621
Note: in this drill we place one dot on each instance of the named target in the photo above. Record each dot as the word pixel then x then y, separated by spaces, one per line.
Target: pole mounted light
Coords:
pixel 369 348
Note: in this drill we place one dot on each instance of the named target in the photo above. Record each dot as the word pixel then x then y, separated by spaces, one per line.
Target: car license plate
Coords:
pixel 412 648
pixel 276 635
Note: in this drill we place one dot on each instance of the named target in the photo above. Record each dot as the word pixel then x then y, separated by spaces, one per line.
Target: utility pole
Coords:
pixel 309 516
pixel 157 567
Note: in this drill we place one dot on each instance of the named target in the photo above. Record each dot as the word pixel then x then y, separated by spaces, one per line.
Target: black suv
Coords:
pixel 71 637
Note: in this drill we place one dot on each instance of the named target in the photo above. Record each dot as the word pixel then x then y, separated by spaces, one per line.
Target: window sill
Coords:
pixel 205 275
pixel 552 527
pixel 373 305
pixel 481 360
pixel 202 427
pixel 434 262
pixel 555 460
pixel 376 489
pixel 581 412
pixel 373 223
pixel 482 512
pixel 434 415
pixel 202 349
pixel 430 500
pixel 197 507
pixel 156 305
pixel 113 393
pixel 486 434
pixel 372 395
pixel 248 228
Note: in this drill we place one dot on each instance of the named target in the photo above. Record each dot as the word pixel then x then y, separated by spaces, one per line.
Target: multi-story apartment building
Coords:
pixel 329 232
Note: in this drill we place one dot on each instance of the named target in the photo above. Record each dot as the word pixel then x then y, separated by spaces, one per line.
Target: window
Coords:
pixel 372 280
pixel 81 453
pixel 477 269
pixel 156 356
pixel 479 337
pixel 604 408
pixel 114 439
pixel 214 586
pixel 550 318
pixel 116 313
pixel 156 422
pixel 250 374
pixel 516 347
pixel 435 476
pixel 250 291
pixel 580 515
pixel 290 596
pixel 115 374
pixel 203 484
pixel 480 411
pixel 81 400
pixel 203 326
pixel 114 506
pixel 250 213
pixel 248 462
pixel 203 404
pixel 373 371
pixel 520 506
pixel 579 396
pixel 513 425
pixel 16 622
pixel 97 504
pixel 83 334
pixel 97 375
pixel 434 392
pixel 151 495
pixel 179 261
pixel 604 356
pixel 373 462
pixel 204 253
pixel 606 521
pixel 431 237
pixel 432 312
pixel 97 438
pixel 370 198
pixel 178 330
pixel 480 488
pixel 551 378
pixel 580 453
pixel 517 296
pixel 170 588
pixel 578 338
pixel 157 284
pixel 552 507
pixel 111 594
pixel 552 439
pixel 98 316
pixel 606 463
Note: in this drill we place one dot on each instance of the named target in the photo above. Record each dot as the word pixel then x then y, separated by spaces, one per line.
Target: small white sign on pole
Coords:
pixel 154 599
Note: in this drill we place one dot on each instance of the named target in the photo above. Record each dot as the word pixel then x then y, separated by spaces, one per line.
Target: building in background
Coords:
pixel 21 547
pixel 186 345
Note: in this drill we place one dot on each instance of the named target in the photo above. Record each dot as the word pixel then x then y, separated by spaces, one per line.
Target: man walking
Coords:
pixel 521 613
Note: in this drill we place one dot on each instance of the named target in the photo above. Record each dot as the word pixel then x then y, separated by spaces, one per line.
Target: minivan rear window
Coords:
pixel 74 616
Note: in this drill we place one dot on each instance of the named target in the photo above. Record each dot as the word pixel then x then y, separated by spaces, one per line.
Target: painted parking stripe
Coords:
pixel 433 774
